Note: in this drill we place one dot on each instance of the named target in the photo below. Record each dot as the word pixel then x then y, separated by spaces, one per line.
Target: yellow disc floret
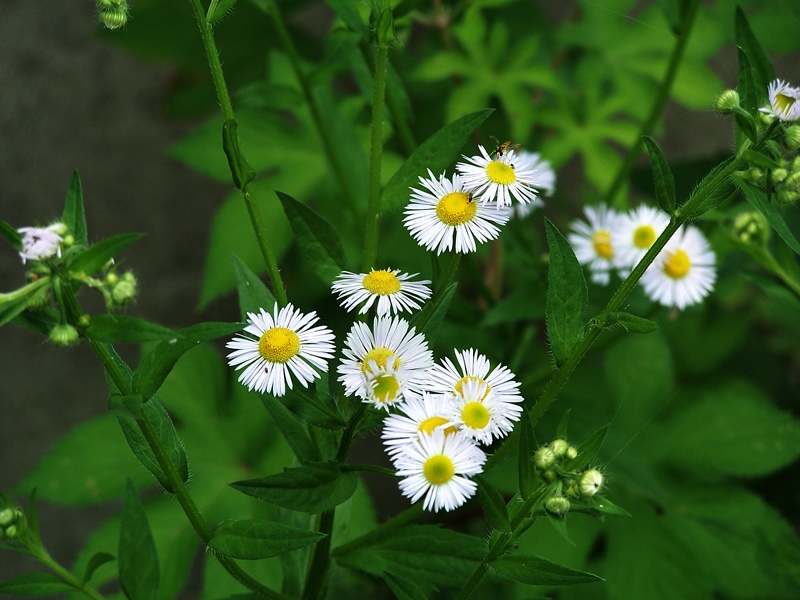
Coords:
pixel 278 345
pixel 385 388
pixel 677 264
pixel 456 208
pixel 439 469
pixel 500 173
pixel 382 357
pixel 383 283
pixel 601 241
pixel 459 386
pixel 644 236
pixel 475 415
pixel 431 423
pixel 783 103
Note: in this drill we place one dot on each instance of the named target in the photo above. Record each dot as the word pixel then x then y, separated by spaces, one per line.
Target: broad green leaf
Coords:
pixel 74 472
pixel 73 216
pixel 312 488
pixel 256 539
pixel 98 560
pixel 535 570
pixel 157 364
pixel 426 554
pixel 114 328
pixel 733 430
pixel 762 67
pixel 662 177
pixel 317 239
pixel 294 431
pixel 630 323
pixel 711 197
pixel 35 584
pixel 98 255
pixel 11 234
pixel 494 506
pixel 761 203
pixel 138 560
pixel 567 296
pixel 253 294
pixel 587 451
pixel 403 588
pixel 436 153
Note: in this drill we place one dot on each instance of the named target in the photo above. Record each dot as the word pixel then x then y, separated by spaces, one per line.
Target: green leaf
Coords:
pixel 760 202
pixel 438 311
pixel 630 323
pixel 494 506
pixel 436 153
pixel 256 539
pixel 138 560
pixel 561 432
pixel 527 446
pixel 403 588
pixel 318 241
pixel 293 430
pixel 253 294
pixel 312 488
pixel 535 570
pixel 157 364
pixel 348 12
pixel 662 177
pixel 73 216
pixel 113 328
pixel 604 505
pixel 11 234
pixel 762 67
pixel 35 584
pixel 758 159
pixel 567 296
pixel 425 554
pixel 711 197
pixel 98 560
pixel 746 87
pixel 733 430
pixel 98 255
pixel 220 10
pixel 241 172
pixel 167 436
pixel 587 451
pixel 130 405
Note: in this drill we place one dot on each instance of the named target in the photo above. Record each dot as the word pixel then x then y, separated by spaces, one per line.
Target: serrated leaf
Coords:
pixel 711 197
pixel 318 241
pixel 662 177
pixel 255 539
pixel 74 216
pixel 11 234
pixel 436 153
pixel 35 584
pixel 535 570
pixel 125 329
pixel 760 202
pixel 98 560
pixel 157 364
pixel 253 293
pixel 494 506
pixel 311 488
pixel 567 296
pixel 587 451
pixel 138 560
pixel 763 71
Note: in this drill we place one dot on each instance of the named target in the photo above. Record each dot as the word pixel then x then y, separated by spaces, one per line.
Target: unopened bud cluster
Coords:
pixel 752 227
pixel 553 464
pixel 12 522
pixel 113 13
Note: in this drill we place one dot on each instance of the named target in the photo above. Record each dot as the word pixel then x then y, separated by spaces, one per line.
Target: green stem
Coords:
pixel 64 575
pixel 375 154
pixel 441 287
pixel 24 290
pixel 226 107
pixel 404 517
pixel 370 469
pixel 682 39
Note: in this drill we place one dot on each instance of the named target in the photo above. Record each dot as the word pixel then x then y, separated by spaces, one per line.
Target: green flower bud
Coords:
pixel 786 196
pixel 572 452
pixel 791 137
pixel 550 475
pixel 112 279
pixel 557 505
pixel 766 120
pixel 69 240
pixel 590 482
pixel 84 320
pixel 778 175
pixel 124 292
pixel 64 335
pixel 10 532
pixel 756 175
pixel 559 447
pixel 544 458
pixel 113 17
pixel 793 181
pixel 40 300
pixel 727 102
pixel 751 227
pixel 7 516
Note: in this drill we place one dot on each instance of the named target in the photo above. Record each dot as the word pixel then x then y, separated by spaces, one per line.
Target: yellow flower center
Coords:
pixel 602 244
pixel 383 283
pixel 459 386
pixel 644 236
pixel 439 469
pixel 677 264
pixel 500 173
pixel 475 415
pixel 784 103
pixel 381 358
pixel 278 345
pixel 456 208
pixel 385 388
pixel 431 423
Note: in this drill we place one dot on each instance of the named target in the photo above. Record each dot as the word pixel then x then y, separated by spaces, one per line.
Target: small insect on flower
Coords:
pixel 501 149
pixel 500 177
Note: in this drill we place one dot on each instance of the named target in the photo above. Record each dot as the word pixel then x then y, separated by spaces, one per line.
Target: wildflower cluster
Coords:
pixel 555 463
pixel 683 273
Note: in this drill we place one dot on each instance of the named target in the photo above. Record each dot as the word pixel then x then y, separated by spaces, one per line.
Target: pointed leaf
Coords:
pixel 561 432
pixel 630 323
pixel 312 488
pixel 587 450
pixel 124 329
pixel 662 177
pixel 762 67
pixel 746 84
pixel 221 10
pixel 348 12
pixel 318 241
pixel 98 255
pixel 293 430
pixel 35 584
pixel 254 539
pixel 711 197
pixel 436 153
pixel 438 311
pixel 253 293
pixel 138 561
pixel 526 472
pixel 97 561
pixel 11 234
pixel 403 588
pixel 73 216
pixel 535 570
pixel 567 296
pixel 494 506
pixel 760 202
pixel 241 172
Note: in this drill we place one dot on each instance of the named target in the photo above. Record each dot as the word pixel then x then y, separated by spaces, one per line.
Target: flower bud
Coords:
pixel 756 175
pixel 550 475
pixel 113 16
pixel 791 137
pixel 7 516
pixel 10 532
pixel 69 240
pixel 751 227
pixel 778 175
pixel 544 458
pixel 793 181
pixel 112 279
pixel 727 102
pixel 572 452
pixel 64 335
pixel 590 482
pixel 84 320
pixel 559 447
pixel 786 196
pixel 124 291
pixel 40 300
pixel 557 505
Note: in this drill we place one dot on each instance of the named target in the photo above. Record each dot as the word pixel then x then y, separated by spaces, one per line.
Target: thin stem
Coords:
pixel 375 154
pixel 442 286
pixel 64 575
pixel 682 39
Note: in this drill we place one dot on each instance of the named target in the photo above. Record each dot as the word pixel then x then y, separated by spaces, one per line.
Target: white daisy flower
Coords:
pixel 684 271
pixel 501 178
pixel 392 349
pixel 41 243
pixel 416 416
pixel 784 101
pixel 392 290
pixel 276 347
pixel 480 415
pixel 447 379
pixel 633 235
pixel 591 241
pixel 438 466
pixel 446 217
pixel 546 179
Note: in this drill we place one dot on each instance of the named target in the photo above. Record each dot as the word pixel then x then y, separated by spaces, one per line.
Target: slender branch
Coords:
pixel 64 575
